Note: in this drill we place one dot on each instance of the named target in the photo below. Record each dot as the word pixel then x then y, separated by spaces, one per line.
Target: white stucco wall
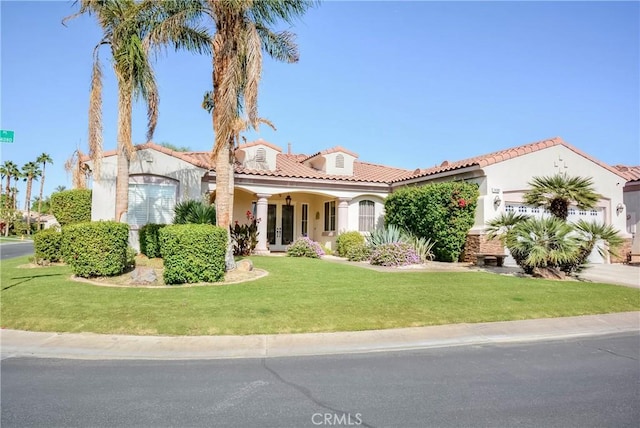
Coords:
pixel 147 161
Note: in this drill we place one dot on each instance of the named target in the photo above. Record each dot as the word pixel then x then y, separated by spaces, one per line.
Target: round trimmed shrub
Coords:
pixel 395 254
pixel 71 206
pixel 347 240
pixel 193 253
pixel 97 248
pixel 305 247
pixel 46 244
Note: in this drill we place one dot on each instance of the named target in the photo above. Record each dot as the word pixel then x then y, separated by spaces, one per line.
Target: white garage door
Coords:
pixel 575 214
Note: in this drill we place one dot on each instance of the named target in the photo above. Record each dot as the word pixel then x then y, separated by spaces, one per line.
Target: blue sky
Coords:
pixel 405 84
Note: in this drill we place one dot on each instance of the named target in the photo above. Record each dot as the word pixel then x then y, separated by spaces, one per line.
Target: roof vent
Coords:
pixel 445 163
pixel 417 171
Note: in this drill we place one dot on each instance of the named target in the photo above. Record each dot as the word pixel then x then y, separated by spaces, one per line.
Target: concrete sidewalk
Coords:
pixel 96 346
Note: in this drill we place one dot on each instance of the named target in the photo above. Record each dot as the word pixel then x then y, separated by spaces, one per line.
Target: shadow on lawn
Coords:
pixel 27 279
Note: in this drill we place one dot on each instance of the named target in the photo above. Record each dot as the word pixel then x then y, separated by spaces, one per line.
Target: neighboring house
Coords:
pixel 632 203
pixel 323 194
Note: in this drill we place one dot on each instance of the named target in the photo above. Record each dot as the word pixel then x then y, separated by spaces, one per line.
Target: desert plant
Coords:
pixel 557 192
pixel 245 236
pixel 305 247
pixel 194 212
pixel 386 235
pixel 593 235
pixel 347 240
pixel 423 248
pixel 394 254
pixel 547 242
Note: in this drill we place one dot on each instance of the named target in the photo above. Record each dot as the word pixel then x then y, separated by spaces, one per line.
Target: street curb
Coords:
pixel 15 343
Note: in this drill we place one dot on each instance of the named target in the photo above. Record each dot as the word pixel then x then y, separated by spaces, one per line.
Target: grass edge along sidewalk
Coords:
pixel 298 296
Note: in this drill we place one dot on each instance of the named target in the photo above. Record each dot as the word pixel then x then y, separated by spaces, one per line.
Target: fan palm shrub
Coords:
pixel 194 212
pixel 557 192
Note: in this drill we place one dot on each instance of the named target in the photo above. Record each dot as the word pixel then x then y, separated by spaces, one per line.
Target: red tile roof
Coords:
pixel 333 150
pixel 631 173
pixel 292 165
pixel 503 155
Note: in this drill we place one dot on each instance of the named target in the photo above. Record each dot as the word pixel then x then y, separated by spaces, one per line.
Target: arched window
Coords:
pixel 261 155
pixel 339 161
pixel 366 216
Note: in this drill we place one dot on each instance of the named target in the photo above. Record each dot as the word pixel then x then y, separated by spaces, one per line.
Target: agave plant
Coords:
pixel 387 235
pixel 194 211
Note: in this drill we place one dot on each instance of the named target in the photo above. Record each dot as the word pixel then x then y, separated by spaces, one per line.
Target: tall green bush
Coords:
pixel 193 253
pixel 95 248
pixel 71 206
pixel 441 212
pixel 149 239
pixel 348 240
pixel 46 244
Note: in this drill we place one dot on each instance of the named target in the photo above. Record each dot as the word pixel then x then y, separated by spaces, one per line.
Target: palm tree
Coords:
pixel 30 171
pixel 133 29
pixel 59 188
pixel 557 192
pixel 17 176
pixel 44 158
pixel 593 235
pixel 542 243
pixel 242 32
pixel 8 170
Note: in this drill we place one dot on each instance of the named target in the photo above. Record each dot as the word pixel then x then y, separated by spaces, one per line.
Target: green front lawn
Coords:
pixel 299 295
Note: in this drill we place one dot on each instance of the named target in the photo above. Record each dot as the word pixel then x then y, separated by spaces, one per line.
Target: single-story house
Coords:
pixel 331 191
pixel 631 192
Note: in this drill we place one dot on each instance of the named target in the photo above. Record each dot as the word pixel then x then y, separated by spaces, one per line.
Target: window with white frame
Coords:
pixel 366 216
pixel 151 200
pixel 330 216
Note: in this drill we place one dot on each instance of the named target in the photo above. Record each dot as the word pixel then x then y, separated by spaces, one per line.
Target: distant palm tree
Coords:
pixel 557 192
pixel 9 169
pixel 59 188
pixel 132 29
pixel 44 159
pixel 17 176
pixel 242 32
pixel 30 171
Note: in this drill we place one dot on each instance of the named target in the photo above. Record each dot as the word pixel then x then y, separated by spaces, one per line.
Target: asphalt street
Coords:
pixel 9 250
pixel 572 383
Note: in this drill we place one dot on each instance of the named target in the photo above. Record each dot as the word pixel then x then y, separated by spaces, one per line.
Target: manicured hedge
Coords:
pixel 348 240
pixel 441 212
pixel 71 206
pixel 96 248
pixel 149 239
pixel 46 244
pixel 193 253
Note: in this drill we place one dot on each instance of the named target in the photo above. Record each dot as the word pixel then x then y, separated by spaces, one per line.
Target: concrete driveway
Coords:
pixel 613 274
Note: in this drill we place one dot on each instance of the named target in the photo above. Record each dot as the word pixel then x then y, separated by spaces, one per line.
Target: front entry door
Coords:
pixel 280 226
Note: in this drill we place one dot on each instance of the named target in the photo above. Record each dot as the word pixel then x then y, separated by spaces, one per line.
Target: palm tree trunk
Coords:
pixel 27 204
pixel 124 140
pixel 40 200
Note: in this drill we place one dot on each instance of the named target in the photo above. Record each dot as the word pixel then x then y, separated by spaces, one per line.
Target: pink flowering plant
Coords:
pixel 245 236
pixel 394 254
pixel 305 247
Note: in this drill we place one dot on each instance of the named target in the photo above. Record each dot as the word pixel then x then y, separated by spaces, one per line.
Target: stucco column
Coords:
pixel 261 214
pixel 343 214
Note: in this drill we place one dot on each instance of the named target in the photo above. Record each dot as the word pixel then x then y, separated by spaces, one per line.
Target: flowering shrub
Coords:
pixel 245 236
pixel 395 254
pixel 305 247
